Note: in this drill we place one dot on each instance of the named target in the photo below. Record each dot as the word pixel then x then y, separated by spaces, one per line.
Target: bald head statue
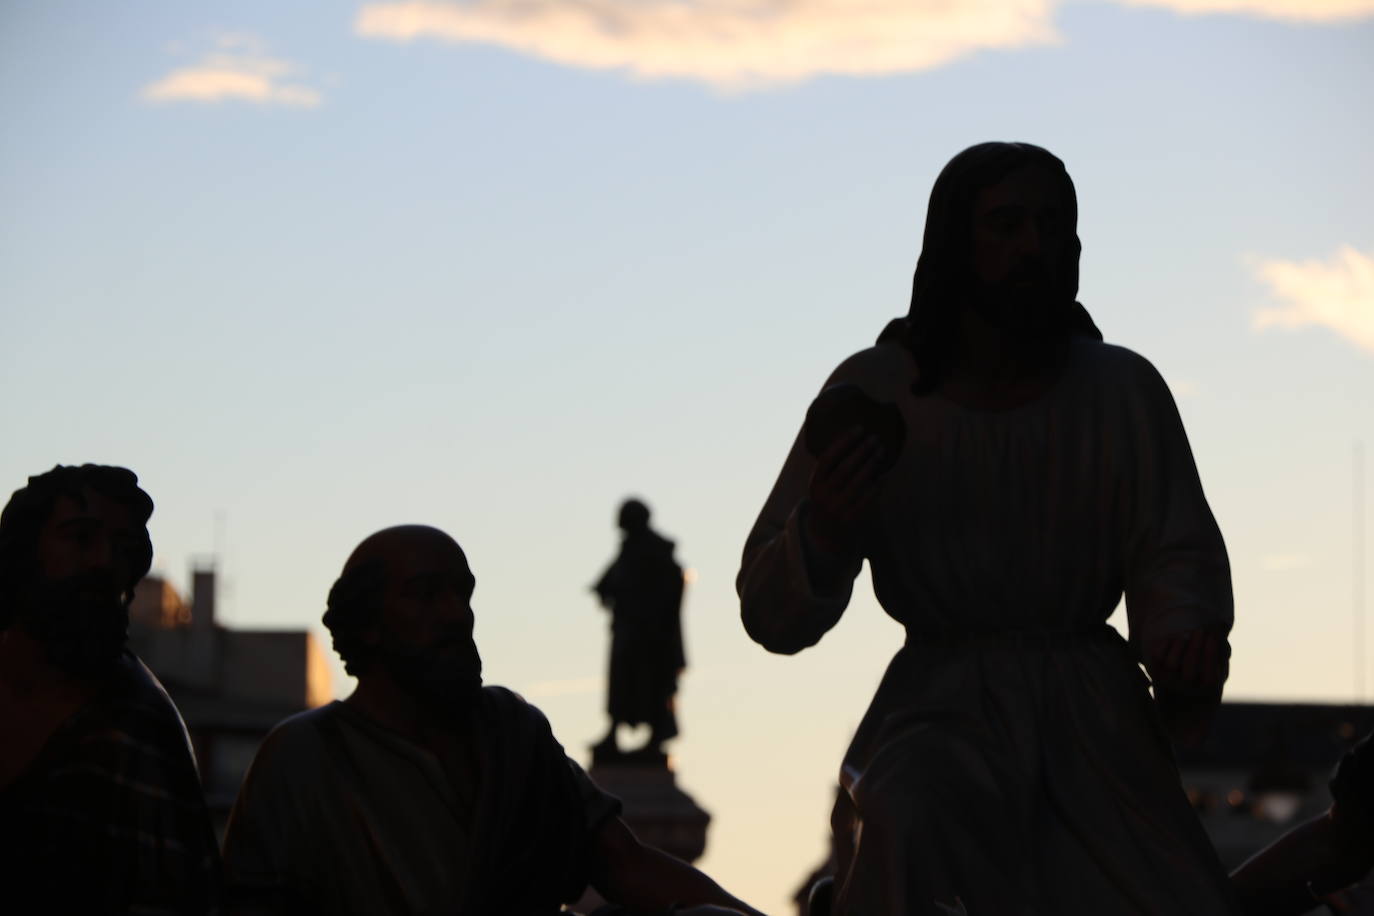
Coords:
pixel 402 608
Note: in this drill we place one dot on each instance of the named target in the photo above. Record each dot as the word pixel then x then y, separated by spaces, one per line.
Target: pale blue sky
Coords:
pixel 486 290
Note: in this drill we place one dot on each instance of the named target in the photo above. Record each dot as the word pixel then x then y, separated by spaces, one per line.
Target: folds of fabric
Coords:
pixel 1021 776
pixel 1012 757
pixel 340 815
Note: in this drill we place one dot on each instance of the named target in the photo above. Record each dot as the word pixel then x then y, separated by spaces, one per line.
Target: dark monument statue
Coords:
pixel 642 589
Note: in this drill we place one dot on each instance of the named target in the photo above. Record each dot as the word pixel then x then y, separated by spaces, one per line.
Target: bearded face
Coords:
pixel 80 620
pixel 75 605
pixel 1020 240
pixel 424 635
pixel 447 673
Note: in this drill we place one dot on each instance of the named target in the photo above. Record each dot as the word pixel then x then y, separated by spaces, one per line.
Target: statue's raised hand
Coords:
pixel 843 487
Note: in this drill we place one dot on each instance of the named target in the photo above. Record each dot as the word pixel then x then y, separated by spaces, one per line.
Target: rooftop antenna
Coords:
pixel 1358 569
pixel 217 540
pixel 217 553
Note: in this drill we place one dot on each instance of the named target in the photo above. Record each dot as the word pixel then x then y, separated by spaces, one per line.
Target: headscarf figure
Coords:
pixel 944 278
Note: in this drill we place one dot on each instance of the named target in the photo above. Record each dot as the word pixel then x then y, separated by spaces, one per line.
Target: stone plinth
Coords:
pixel 659 813
pixel 656 809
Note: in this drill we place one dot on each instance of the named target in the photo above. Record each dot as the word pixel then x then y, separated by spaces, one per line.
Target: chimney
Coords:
pixel 203 598
pixel 201 658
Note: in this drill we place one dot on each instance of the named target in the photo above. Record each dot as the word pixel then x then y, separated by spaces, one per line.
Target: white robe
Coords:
pixel 1012 757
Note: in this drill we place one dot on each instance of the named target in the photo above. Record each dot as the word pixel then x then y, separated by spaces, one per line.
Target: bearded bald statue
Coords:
pixel 1007 476
pixel 423 791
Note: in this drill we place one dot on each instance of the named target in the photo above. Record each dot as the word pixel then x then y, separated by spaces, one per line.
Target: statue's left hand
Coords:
pixel 1188 670
pixel 1193 663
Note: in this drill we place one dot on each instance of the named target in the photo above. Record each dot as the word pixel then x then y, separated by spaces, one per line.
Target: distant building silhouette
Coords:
pixel 1262 771
pixel 232 686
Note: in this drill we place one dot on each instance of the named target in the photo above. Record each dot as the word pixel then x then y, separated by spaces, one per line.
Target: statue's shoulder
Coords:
pixel 884 370
pixel 1121 369
pixel 290 759
pixel 509 707
pixel 302 733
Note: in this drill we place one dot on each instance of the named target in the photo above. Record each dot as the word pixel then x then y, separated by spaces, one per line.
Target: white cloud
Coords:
pixel 729 44
pixel 1337 294
pixel 1315 11
pixel 744 44
pixel 239 69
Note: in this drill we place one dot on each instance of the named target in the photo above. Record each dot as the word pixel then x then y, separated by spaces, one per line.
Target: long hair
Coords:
pixel 32 505
pixel 944 273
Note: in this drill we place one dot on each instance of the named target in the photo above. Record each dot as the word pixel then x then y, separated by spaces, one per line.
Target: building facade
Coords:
pixel 232 686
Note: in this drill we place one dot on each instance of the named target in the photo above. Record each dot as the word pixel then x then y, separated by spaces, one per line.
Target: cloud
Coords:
pixel 750 44
pixel 237 68
pixel 1312 11
pixel 729 44
pixel 1337 294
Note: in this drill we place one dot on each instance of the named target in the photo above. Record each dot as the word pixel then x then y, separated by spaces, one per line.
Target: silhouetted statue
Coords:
pixel 1013 759
pixel 100 806
pixel 425 792
pixel 642 589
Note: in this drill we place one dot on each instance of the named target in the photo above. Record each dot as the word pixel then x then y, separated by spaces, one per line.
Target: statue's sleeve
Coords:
pixel 1177 576
pixel 780 605
pixel 598 806
pixel 605 586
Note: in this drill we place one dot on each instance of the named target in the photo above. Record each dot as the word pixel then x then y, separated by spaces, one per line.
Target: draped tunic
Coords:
pixel 341 815
pixel 1012 760
pixel 643 589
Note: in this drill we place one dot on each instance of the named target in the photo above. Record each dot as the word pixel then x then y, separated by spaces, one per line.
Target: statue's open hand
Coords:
pixel 843 487
pixel 1188 670
pixel 1193 662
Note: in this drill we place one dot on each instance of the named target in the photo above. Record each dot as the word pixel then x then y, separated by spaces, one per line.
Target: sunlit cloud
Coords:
pixel 238 68
pixel 728 44
pixel 1314 11
pixel 751 44
pixel 1337 294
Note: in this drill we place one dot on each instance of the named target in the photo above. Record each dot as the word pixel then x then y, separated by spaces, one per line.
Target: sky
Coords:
pixel 317 268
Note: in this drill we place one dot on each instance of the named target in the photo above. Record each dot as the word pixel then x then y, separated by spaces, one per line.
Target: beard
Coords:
pixel 1025 304
pixel 450 683
pixel 81 621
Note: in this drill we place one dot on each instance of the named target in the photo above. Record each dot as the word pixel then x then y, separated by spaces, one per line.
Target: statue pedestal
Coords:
pixel 656 809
